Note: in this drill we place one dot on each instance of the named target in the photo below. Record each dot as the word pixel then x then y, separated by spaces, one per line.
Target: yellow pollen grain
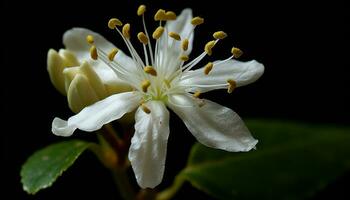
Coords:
pixel 197 94
pixel 145 109
pixel 112 54
pixel 160 15
pixel 197 21
pixel 158 32
pixel 231 85
pixel 126 31
pixel 145 84
pixel 114 22
pixel 93 52
pixel 150 70
pixel 175 36
pixel 236 52
pixel 170 15
pixel 184 58
pixel 142 38
pixel 184 44
pixel 141 10
pixel 209 46
pixel 219 35
pixel 90 39
pixel 208 67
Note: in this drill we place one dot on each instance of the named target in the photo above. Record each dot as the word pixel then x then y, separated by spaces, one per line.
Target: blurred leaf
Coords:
pixel 292 161
pixel 45 165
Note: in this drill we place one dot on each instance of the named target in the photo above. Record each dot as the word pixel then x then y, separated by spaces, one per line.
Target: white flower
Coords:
pixel 162 80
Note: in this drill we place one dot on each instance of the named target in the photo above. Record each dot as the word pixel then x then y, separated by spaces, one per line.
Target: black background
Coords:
pixel 303 45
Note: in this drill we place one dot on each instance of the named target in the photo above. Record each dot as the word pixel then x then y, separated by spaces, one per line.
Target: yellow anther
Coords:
pixel 142 38
pixel 175 36
pixel 208 67
pixel 126 31
pixel 197 21
pixel 145 84
pixel 231 85
pixel 219 35
pixel 208 47
pixel 197 94
pixel 170 15
pixel 184 44
pixel 145 108
pixel 93 52
pixel 112 54
pixel 90 39
pixel 184 58
pixel 160 15
pixel 150 70
pixel 236 52
pixel 158 32
pixel 114 22
pixel 141 10
pixel 167 83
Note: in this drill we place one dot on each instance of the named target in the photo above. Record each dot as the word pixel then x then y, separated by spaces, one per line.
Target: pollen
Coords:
pixel 160 15
pixel 209 46
pixel 208 67
pixel 93 52
pixel 145 85
pixel 184 44
pixel 231 85
pixel 175 36
pixel 219 35
pixel 126 31
pixel 142 37
pixel 170 15
pixel 158 32
pixel 236 52
pixel 145 108
pixel 114 22
pixel 141 10
pixel 197 94
pixel 184 58
pixel 112 54
pixel 150 70
pixel 90 39
pixel 197 21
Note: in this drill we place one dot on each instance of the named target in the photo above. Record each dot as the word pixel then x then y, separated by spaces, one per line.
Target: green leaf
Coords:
pixel 46 165
pixel 292 161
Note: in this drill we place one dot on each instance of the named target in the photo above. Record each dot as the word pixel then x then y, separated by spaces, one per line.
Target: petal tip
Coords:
pixel 61 128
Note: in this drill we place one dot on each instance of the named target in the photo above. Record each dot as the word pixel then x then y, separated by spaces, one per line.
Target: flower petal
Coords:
pixel 212 124
pixel 93 117
pixel 243 73
pixel 149 144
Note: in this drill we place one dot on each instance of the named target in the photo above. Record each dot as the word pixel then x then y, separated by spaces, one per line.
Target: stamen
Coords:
pixel 114 22
pixel 142 38
pixel 236 52
pixel 150 70
pixel 90 39
pixel 145 108
pixel 219 35
pixel 208 67
pixel 126 31
pixel 197 94
pixel 112 54
pixel 158 33
pixel 145 84
pixel 93 52
pixel 184 44
pixel 160 15
pixel 175 36
pixel 197 21
pixel 232 85
pixel 184 58
pixel 141 10
pixel 170 15
pixel 167 83
pixel 208 47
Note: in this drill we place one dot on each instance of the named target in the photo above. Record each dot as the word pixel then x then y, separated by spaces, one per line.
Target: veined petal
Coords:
pixel 243 73
pixel 147 152
pixel 93 117
pixel 212 124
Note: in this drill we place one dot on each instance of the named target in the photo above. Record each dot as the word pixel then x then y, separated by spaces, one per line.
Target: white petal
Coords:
pixel 93 117
pixel 212 124
pixel 243 73
pixel 149 144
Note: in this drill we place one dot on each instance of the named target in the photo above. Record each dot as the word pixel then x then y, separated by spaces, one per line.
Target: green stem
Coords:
pixel 123 184
pixel 172 190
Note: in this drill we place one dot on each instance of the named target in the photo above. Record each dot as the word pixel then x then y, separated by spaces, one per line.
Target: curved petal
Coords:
pixel 93 117
pixel 243 73
pixel 149 144
pixel 212 124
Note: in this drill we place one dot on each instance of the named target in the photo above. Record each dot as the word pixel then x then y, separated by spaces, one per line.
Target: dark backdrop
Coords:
pixel 302 44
